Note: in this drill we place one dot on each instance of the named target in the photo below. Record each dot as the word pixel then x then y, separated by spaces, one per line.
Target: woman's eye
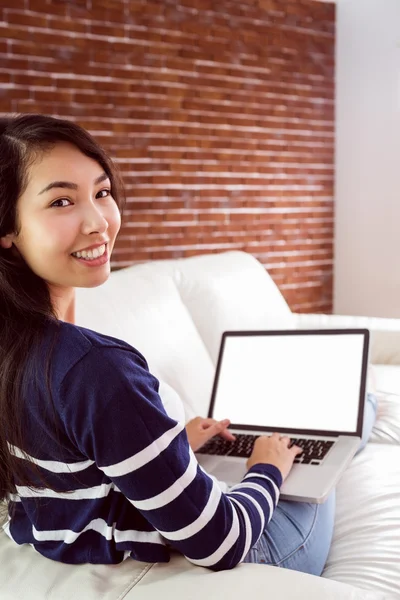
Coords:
pixel 105 190
pixel 60 202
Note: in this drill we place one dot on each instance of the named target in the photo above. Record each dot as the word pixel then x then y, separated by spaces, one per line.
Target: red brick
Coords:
pixel 43 7
pixel 21 17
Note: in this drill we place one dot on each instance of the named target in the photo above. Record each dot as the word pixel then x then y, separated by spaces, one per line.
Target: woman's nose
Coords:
pixel 93 220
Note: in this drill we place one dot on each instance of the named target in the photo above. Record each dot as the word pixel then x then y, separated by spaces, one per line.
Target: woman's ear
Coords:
pixel 7 240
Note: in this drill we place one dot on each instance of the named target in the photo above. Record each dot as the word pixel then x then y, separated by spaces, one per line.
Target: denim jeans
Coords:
pixel 299 534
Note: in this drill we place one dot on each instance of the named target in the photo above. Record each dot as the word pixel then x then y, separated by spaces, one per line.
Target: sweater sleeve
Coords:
pixel 114 415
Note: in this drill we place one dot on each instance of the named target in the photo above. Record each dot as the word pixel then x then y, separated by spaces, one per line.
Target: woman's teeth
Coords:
pixel 91 254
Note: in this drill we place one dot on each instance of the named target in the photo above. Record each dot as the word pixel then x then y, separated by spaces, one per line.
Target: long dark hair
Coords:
pixel 25 304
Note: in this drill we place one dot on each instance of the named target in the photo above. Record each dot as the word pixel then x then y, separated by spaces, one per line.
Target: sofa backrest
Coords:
pixel 175 311
pixel 229 291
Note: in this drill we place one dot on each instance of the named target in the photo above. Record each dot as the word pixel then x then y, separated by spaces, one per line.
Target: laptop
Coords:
pixel 307 384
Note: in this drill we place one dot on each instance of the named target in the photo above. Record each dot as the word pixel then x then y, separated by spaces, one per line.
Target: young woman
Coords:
pixel 91 466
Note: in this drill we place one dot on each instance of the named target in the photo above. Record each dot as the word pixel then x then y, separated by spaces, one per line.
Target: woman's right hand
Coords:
pixel 274 450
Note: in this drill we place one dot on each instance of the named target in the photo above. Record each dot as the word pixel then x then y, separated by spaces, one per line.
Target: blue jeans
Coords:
pixel 299 534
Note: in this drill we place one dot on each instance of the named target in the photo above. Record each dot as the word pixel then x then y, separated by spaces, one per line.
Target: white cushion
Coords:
pixel 26 575
pixel 387 378
pixel 180 579
pixel 387 427
pixel 385 333
pixel 229 291
pixel 366 547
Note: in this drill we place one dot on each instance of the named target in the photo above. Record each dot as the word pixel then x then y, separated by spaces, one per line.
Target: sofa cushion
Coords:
pixel 26 575
pixel 180 580
pixel 365 551
pixel 387 379
pixel 387 427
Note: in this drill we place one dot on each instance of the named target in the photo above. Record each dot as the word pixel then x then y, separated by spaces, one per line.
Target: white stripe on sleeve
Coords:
pixel 13 498
pixel 258 507
pixel 173 491
pixel 248 527
pixel 258 488
pixel 224 548
pixel 52 465
pixel 202 520
pixel 274 486
pixel 109 532
pixel 132 463
pixel 98 491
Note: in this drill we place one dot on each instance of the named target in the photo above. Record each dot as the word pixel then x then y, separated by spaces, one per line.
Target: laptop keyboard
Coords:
pixel 314 451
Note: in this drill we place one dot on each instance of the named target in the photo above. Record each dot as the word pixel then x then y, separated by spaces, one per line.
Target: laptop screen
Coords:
pixel 292 380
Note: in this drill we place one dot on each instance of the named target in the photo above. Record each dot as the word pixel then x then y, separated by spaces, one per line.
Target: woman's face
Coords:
pixel 57 220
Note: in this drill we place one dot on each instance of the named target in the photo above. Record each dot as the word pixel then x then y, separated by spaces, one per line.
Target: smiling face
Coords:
pixel 55 222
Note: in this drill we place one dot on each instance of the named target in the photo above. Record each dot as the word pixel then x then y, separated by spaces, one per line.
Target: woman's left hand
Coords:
pixel 200 430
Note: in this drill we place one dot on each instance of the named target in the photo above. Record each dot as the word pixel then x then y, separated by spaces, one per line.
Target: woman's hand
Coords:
pixel 274 450
pixel 200 430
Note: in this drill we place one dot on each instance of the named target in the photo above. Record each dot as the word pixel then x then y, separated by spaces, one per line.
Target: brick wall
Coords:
pixel 219 113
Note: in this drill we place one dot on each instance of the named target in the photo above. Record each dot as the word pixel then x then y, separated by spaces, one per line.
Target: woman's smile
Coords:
pixel 93 258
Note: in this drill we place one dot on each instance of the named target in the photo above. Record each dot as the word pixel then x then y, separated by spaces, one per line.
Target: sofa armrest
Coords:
pixel 181 580
pixel 385 333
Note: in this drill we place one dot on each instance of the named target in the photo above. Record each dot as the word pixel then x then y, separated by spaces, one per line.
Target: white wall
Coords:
pixel 367 236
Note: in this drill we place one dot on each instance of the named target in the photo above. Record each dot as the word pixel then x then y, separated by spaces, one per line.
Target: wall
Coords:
pixel 367 239
pixel 219 114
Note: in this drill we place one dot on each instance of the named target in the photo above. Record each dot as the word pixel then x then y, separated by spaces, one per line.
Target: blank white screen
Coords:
pixel 291 381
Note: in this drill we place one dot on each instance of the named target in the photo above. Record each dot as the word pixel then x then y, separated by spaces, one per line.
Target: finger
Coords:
pixel 275 435
pixel 227 435
pixel 214 429
pixel 224 423
pixel 206 423
pixel 296 450
pixel 285 439
pixel 209 422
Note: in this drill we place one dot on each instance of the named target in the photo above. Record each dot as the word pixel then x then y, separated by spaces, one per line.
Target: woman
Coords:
pixel 92 467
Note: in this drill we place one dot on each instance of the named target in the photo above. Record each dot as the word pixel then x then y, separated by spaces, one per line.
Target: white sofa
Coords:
pixel 174 312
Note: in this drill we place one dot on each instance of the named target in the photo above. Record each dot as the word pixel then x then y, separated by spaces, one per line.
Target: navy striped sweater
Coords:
pixel 127 481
